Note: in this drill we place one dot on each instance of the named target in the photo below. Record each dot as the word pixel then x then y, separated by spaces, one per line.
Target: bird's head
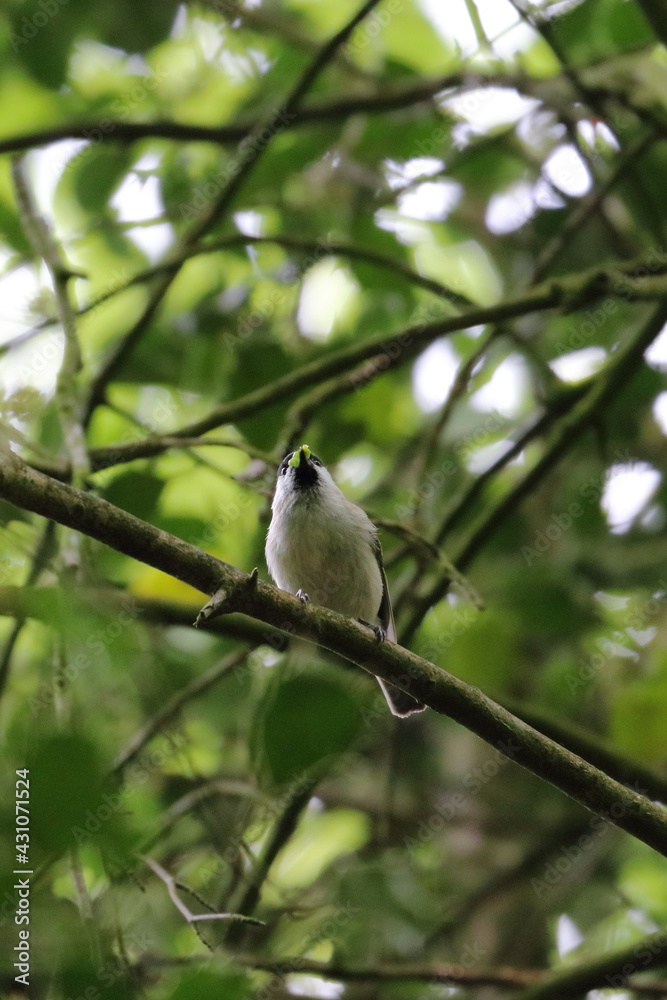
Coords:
pixel 300 470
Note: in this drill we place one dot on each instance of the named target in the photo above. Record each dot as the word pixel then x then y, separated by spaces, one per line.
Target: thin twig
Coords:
pixel 316 249
pixel 285 826
pixel 464 504
pixel 192 918
pixel 434 555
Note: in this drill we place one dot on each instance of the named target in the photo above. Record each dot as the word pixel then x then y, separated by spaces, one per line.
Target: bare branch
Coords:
pixel 285 825
pixel 540 985
pixel 192 918
pixel 381 353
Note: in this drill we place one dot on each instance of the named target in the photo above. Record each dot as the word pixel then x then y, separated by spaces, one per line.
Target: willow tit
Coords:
pixel 321 546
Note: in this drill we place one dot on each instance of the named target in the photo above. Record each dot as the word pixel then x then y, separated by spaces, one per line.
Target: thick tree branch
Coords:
pixel 592 747
pixel 47 604
pixel 540 984
pixel 314 249
pixel 387 351
pixel 613 970
pixel 574 291
pixel 393 98
pixel 444 693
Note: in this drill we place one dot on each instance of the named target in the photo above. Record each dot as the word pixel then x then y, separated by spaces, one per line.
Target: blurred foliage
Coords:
pixel 284 789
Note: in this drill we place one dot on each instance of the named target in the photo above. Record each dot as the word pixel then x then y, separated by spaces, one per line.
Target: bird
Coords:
pixel 322 547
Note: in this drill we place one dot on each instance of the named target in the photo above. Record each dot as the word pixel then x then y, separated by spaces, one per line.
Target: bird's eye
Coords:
pixel 283 470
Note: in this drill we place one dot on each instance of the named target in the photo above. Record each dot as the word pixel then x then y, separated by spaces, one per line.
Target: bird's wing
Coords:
pixel 400 702
pixel 385 612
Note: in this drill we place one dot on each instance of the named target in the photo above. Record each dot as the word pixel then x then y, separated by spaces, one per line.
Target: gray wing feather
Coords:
pixel 385 611
pixel 400 703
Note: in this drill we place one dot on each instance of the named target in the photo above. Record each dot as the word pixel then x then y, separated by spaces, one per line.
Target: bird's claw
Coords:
pixel 377 630
pixel 302 596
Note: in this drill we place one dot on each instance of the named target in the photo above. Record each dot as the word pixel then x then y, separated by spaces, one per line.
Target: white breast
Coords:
pixel 327 554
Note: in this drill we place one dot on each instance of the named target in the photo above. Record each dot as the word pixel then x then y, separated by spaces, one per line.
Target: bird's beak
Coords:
pixel 300 457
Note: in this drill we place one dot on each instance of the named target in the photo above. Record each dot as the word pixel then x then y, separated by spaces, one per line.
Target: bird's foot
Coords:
pixel 379 633
pixel 302 596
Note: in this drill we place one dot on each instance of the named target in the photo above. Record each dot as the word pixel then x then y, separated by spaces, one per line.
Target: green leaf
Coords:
pixel 638 714
pixel 304 722
pixel 409 39
pixel 97 172
pixel 42 35
pixel 209 984
pixel 131 26
pixel 597 29
pixel 9 513
pixel 136 492
pixel 11 229
pixel 67 805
